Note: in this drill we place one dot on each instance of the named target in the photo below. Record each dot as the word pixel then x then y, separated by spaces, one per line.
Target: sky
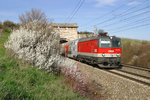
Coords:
pixel 122 18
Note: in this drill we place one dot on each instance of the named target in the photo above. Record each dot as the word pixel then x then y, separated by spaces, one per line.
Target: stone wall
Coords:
pixel 66 31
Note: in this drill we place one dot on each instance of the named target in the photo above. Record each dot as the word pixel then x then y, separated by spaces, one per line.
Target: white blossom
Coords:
pixel 39 46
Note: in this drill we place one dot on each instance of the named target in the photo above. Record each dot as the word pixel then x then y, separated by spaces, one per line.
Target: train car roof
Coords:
pixel 93 38
pixel 99 37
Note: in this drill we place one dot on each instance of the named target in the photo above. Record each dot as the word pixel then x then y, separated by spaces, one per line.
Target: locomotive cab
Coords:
pixel 110 48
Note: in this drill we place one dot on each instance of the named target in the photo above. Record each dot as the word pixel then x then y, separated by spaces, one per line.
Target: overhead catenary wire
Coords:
pixel 134 27
pixel 74 10
pixel 111 12
pixel 120 15
pixel 77 9
pixel 128 17
pixel 105 14
pixel 131 23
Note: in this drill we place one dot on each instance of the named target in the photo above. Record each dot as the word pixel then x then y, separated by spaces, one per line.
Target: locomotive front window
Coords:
pixel 116 44
pixel 105 43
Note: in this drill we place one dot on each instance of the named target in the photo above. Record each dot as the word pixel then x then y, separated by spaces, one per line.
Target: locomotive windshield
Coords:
pixel 116 44
pixel 105 44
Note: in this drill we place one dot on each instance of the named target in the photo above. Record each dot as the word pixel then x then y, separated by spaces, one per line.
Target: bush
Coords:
pixel 85 32
pixel 1 25
pixel 35 44
pixel 6 29
pixel 9 24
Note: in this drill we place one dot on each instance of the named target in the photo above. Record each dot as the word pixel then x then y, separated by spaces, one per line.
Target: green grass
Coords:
pixel 3 39
pixel 132 41
pixel 20 81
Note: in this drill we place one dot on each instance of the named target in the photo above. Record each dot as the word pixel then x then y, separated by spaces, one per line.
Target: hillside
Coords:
pixel 136 52
pixel 19 80
pixel 132 41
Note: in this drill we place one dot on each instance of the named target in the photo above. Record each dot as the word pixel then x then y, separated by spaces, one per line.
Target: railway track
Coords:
pixel 139 75
pixel 136 77
pixel 131 76
pixel 135 67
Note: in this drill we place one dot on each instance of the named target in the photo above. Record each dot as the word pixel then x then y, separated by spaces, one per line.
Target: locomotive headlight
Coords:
pixel 118 55
pixel 103 54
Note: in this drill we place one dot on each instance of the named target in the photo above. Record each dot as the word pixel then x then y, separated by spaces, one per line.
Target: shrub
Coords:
pixel 85 32
pixel 35 44
pixel 9 24
pixel 1 25
pixel 6 29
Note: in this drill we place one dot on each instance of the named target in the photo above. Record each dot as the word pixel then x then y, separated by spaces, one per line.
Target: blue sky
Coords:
pixel 121 18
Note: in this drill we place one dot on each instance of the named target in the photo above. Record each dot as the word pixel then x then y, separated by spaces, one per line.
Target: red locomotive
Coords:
pixel 102 50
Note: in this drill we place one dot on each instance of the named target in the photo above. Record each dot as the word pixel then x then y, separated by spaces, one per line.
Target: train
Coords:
pixel 102 50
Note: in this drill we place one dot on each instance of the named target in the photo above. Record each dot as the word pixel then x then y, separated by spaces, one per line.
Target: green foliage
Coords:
pixel 1 25
pixel 3 39
pixel 11 90
pixel 20 81
pixel 85 32
pixel 6 29
pixel 9 25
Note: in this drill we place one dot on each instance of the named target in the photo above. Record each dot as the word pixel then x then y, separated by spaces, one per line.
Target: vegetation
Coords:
pixel 1 25
pixel 34 14
pixel 19 80
pixel 100 31
pixel 136 52
pixel 8 26
pixel 132 41
pixel 85 32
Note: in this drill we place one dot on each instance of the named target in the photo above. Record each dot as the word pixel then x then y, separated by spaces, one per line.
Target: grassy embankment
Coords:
pixel 136 52
pixel 20 81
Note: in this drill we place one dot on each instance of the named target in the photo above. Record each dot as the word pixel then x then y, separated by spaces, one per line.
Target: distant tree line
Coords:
pixel 8 26
pixel 100 31
pixel 1 25
pixel 85 32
